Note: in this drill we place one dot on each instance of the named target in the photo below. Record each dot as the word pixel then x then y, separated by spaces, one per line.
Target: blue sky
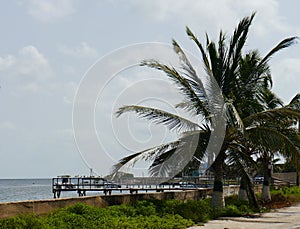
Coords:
pixel 47 46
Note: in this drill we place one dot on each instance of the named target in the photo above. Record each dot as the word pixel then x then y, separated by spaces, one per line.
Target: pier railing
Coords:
pixel 81 185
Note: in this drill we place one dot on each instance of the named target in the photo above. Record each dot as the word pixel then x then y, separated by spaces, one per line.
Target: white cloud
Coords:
pixel 81 51
pixel 286 75
pixel 28 69
pixel 199 12
pixel 28 62
pixel 50 11
pixel 69 90
pixel 31 62
pixel 268 19
pixel 213 15
pixel 6 62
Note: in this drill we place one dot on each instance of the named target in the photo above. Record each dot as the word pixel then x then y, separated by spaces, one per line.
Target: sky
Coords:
pixel 49 47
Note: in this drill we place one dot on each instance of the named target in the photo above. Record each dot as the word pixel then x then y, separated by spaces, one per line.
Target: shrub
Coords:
pixel 232 211
pixel 23 222
pixel 198 211
pixel 141 214
pixel 145 208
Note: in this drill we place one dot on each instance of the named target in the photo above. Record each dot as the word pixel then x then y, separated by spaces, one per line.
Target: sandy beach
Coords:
pixel 288 217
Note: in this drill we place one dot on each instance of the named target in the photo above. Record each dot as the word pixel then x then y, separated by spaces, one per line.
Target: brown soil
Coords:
pixel 278 201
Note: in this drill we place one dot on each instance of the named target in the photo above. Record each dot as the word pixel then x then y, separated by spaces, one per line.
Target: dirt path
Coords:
pixel 288 217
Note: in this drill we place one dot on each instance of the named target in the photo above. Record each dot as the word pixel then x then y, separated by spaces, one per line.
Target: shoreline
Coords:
pixel 46 206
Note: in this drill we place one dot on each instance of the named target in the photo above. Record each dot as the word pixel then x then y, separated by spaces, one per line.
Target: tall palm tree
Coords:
pixel 222 63
pixel 274 131
pixel 253 103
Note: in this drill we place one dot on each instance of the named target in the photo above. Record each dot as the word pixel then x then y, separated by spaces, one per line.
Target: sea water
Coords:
pixel 27 189
pixel 12 190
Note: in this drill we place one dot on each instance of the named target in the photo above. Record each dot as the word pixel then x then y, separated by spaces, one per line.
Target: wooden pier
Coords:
pixel 81 185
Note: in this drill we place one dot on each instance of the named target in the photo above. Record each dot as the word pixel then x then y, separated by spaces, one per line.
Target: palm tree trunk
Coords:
pixel 217 200
pixel 251 194
pixel 247 193
pixel 266 195
pixel 298 161
pixel 243 190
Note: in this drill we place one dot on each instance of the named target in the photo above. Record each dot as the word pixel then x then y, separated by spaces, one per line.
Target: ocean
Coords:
pixel 12 190
pixel 27 189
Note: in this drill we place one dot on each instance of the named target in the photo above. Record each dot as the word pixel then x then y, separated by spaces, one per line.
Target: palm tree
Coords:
pixel 222 64
pixel 266 100
pixel 274 132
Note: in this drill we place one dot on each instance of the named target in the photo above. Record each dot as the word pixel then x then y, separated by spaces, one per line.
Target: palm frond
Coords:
pixel 173 161
pixel 161 166
pixel 128 161
pixel 237 42
pixel 278 113
pixel 233 117
pixel 282 45
pixel 184 60
pixel 212 80
pixel 270 99
pixel 272 140
pixel 148 154
pixel 172 121
pixel 295 102
pixel 239 36
pixel 190 74
pixel 189 88
pixel 198 43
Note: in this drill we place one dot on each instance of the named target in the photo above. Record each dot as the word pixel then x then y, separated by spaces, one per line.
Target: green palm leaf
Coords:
pixel 233 117
pixel 148 154
pixel 295 102
pixel 171 162
pixel 186 86
pixel 237 42
pixel 172 121
pixel 204 56
pixel 282 45
pixel 273 114
pixel 272 140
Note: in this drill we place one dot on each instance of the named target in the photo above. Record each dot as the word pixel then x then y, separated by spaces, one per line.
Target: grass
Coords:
pixel 142 214
pixel 288 192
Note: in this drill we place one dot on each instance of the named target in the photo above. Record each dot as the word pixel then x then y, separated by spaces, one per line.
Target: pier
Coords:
pixel 82 185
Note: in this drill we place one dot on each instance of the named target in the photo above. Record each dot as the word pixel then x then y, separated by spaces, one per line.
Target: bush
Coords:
pixel 286 193
pixel 23 222
pixel 232 211
pixel 141 214
pixel 198 211
pixel 242 205
pixel 145 208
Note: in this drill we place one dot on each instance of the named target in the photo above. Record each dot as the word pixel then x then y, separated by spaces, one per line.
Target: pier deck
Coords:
pixel 81 185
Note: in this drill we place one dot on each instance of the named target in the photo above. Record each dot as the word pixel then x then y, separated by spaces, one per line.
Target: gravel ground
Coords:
pixel 288 217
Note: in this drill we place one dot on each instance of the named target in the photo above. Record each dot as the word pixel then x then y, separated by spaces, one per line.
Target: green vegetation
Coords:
pixel 142 214
pixel 84 216
pixel 291 194
pixel 147 213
